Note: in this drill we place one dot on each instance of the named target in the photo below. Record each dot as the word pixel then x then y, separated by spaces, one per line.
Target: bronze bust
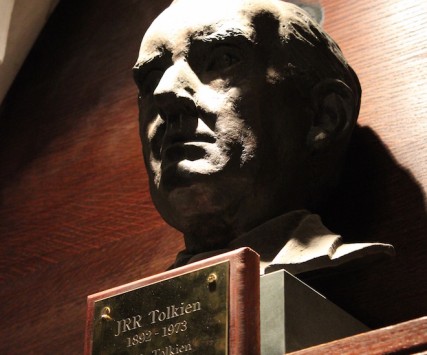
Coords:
pixel 246 110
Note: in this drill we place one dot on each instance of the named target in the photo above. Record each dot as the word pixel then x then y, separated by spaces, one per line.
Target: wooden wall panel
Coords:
pixel 75 213
pixel 75 216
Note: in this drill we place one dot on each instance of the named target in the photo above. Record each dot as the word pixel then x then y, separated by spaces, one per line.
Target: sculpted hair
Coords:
pixel 307 56
pixel 315 56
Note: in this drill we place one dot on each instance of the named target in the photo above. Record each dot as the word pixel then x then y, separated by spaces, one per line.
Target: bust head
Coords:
pixel 246 109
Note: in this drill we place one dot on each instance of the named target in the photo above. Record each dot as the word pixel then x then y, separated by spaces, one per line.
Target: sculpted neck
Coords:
pixel 208 233
pixel 214 231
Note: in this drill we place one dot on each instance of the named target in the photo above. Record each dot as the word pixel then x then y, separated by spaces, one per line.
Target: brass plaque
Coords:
pixel 181 315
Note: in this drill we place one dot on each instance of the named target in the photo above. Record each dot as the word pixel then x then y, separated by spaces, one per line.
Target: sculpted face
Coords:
pixel 224 134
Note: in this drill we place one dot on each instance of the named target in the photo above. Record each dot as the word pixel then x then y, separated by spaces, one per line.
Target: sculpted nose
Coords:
pixel 177 85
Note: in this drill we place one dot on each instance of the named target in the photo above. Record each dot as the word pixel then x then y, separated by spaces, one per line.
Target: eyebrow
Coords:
pixel 141 63
pixel 143 66
pixel 221 35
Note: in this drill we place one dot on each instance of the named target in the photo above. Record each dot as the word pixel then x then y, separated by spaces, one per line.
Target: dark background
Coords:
pixel 75 213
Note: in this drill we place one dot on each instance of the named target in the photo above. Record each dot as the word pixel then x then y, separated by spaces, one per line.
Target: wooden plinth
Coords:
pixel 243 299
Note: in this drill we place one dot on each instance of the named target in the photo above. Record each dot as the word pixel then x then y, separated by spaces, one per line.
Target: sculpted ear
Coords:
pixel 335 113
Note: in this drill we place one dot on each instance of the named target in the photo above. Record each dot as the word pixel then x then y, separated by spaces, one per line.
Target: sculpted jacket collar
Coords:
pixel 297 242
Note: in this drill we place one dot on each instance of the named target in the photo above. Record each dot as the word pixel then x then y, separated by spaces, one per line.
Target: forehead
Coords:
pixel 188 20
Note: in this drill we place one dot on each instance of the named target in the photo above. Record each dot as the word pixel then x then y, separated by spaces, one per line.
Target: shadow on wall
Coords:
pixel 378 200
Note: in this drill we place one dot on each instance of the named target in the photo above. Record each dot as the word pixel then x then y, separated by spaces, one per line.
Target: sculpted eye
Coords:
pixel 223 57
pixel 150 82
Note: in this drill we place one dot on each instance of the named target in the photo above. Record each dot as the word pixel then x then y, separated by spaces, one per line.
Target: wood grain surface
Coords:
pixel 404 338
pixel 75 213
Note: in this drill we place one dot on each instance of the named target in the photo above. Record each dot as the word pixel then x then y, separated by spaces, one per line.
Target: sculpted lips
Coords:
pixel 180 142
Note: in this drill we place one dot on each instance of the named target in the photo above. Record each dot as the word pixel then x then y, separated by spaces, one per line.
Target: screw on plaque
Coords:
pixel 105 314
pixel 212 280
